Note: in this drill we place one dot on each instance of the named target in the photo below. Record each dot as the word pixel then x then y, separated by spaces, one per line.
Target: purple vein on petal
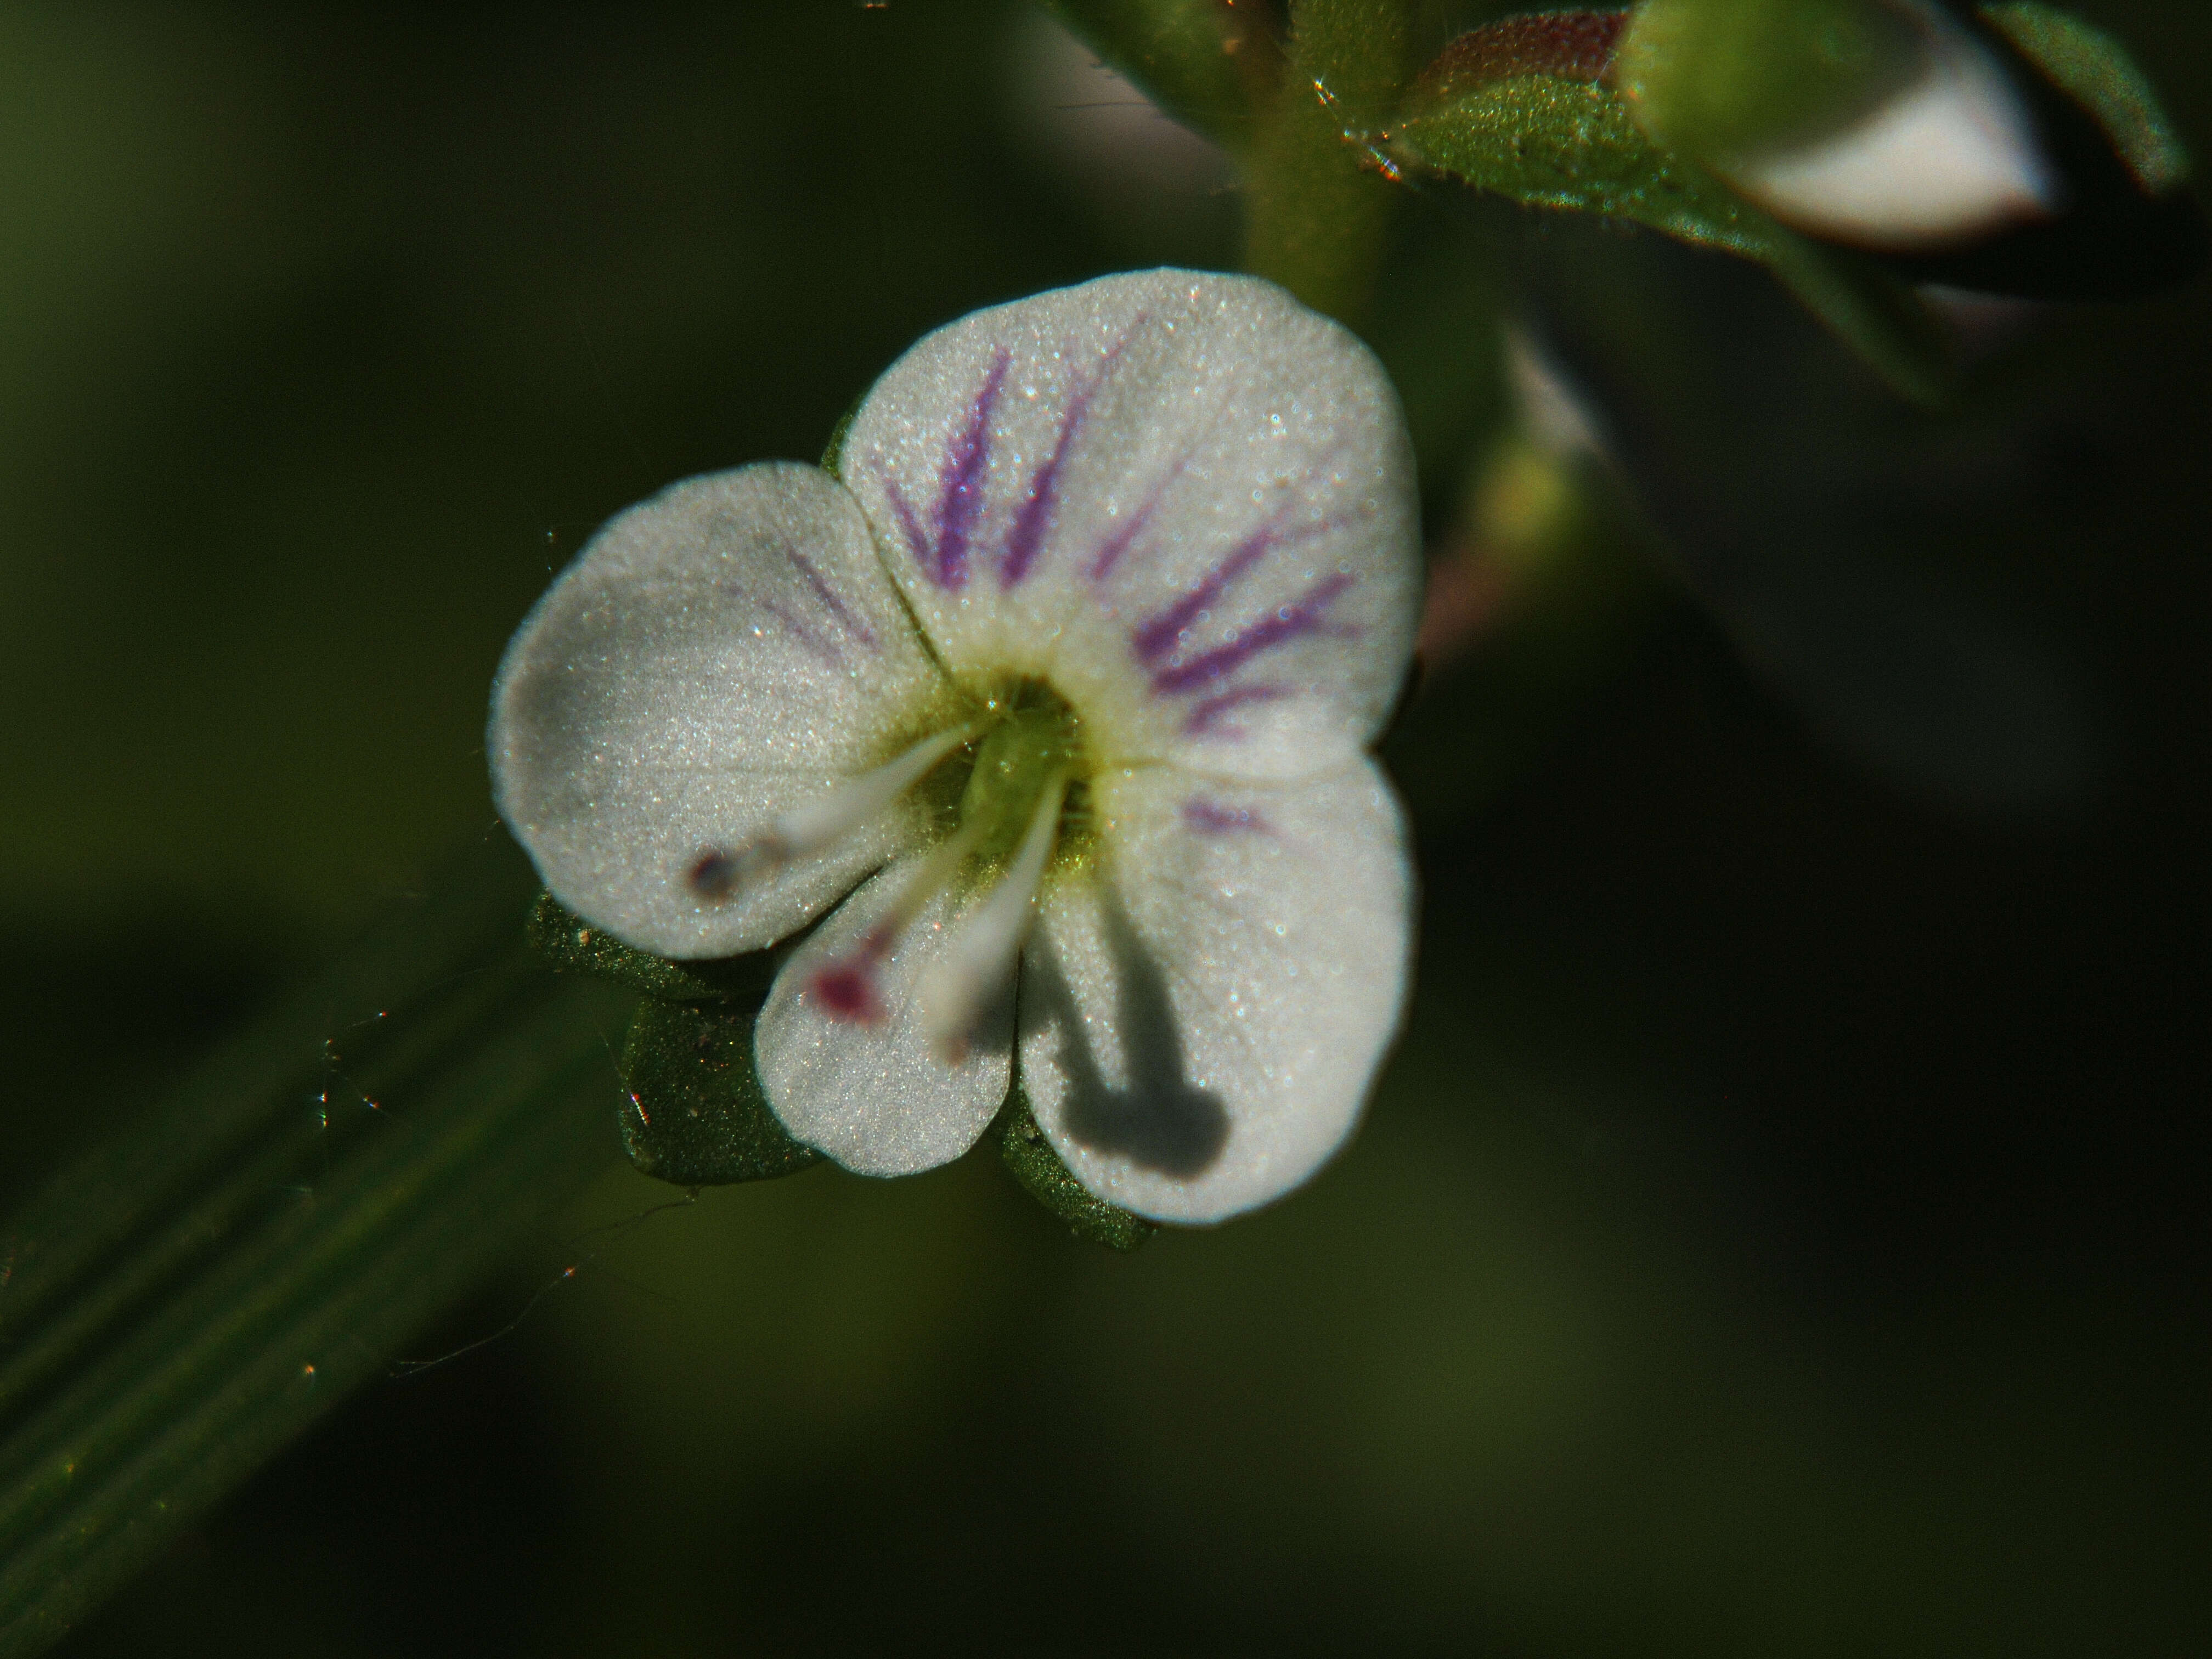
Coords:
pixel 1157 635
pixel 1211 817
pixel 1033 519
pixel 917 539
pixel 1308 614
pixel 960 482
pixel 1111 551
pixel 830 601
pixel 1206 717
pixel 822 649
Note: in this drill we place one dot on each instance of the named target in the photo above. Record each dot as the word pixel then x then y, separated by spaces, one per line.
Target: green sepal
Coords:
pixel 1873 310
pixel 1548 141
pixel 694 1114
pixel 575 946
pixel 2095 71
pixel 1567 142
pixel 1046 1179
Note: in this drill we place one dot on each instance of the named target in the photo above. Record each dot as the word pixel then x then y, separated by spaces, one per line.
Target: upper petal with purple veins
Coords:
pixel 1197 495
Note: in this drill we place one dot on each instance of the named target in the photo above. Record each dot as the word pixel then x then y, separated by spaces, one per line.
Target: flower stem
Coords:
pixel 188 1299
pixel 1315 220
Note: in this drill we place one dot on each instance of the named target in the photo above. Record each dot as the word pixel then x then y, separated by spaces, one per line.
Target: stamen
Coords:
pixel 844 986
pixel 975 962
pixel 716 875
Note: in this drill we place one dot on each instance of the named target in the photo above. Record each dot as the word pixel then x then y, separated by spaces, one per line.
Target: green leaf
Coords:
pixel 696 1115
pixel 2095 71
pixel 1204 63
pixel 1558 137
pixel 575 946
pixel 238 1258
pixel 1046 1179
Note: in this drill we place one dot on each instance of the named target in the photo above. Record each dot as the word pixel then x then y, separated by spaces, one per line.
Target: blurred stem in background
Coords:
pixel 181 1305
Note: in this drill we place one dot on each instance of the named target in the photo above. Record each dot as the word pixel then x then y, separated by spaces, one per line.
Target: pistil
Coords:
pixel 975 963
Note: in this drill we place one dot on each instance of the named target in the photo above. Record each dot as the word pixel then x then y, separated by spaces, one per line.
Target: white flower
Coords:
pixel 1058 703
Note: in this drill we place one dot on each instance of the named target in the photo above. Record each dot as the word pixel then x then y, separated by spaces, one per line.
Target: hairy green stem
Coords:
pixel 187 1300
pixel 1316 213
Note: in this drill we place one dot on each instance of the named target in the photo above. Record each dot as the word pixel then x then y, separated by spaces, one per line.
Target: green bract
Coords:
pixel 2095 70
pixel 1540 127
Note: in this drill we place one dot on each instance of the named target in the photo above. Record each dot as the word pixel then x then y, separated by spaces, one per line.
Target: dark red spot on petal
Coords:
pixel 712 874
pixel 847 991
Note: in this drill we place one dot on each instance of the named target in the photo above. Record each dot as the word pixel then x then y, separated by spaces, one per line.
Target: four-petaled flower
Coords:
pixel 1057 700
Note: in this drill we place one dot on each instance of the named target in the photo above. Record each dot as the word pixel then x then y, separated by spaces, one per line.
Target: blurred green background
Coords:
pixel 1782 1229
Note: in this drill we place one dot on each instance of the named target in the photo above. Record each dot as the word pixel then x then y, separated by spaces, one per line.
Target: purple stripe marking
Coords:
pixel 1158 635
pixel 1025 539
pixel 1307 615
pixel 1207 715
pixel 1211 817
pixel 821 649
pixel 1109 554
pixel 917 539
pixel 960 482
pixel 1033 519
pixel 835 606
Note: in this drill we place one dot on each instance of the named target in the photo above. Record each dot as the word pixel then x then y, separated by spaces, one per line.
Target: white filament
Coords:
pixel 808 828
pixel 908 901
pixel 974 964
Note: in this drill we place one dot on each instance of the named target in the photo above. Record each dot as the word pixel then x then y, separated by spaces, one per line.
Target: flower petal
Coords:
pixel 718 655
pixel 849 1063
pixel 1953 156
pixel 1200 1023
pixel 1185 499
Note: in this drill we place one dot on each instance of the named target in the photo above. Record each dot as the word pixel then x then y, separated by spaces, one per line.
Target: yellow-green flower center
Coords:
pixel 1033 743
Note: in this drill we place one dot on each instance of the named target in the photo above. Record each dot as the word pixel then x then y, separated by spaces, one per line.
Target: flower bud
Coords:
pixel 1883 123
